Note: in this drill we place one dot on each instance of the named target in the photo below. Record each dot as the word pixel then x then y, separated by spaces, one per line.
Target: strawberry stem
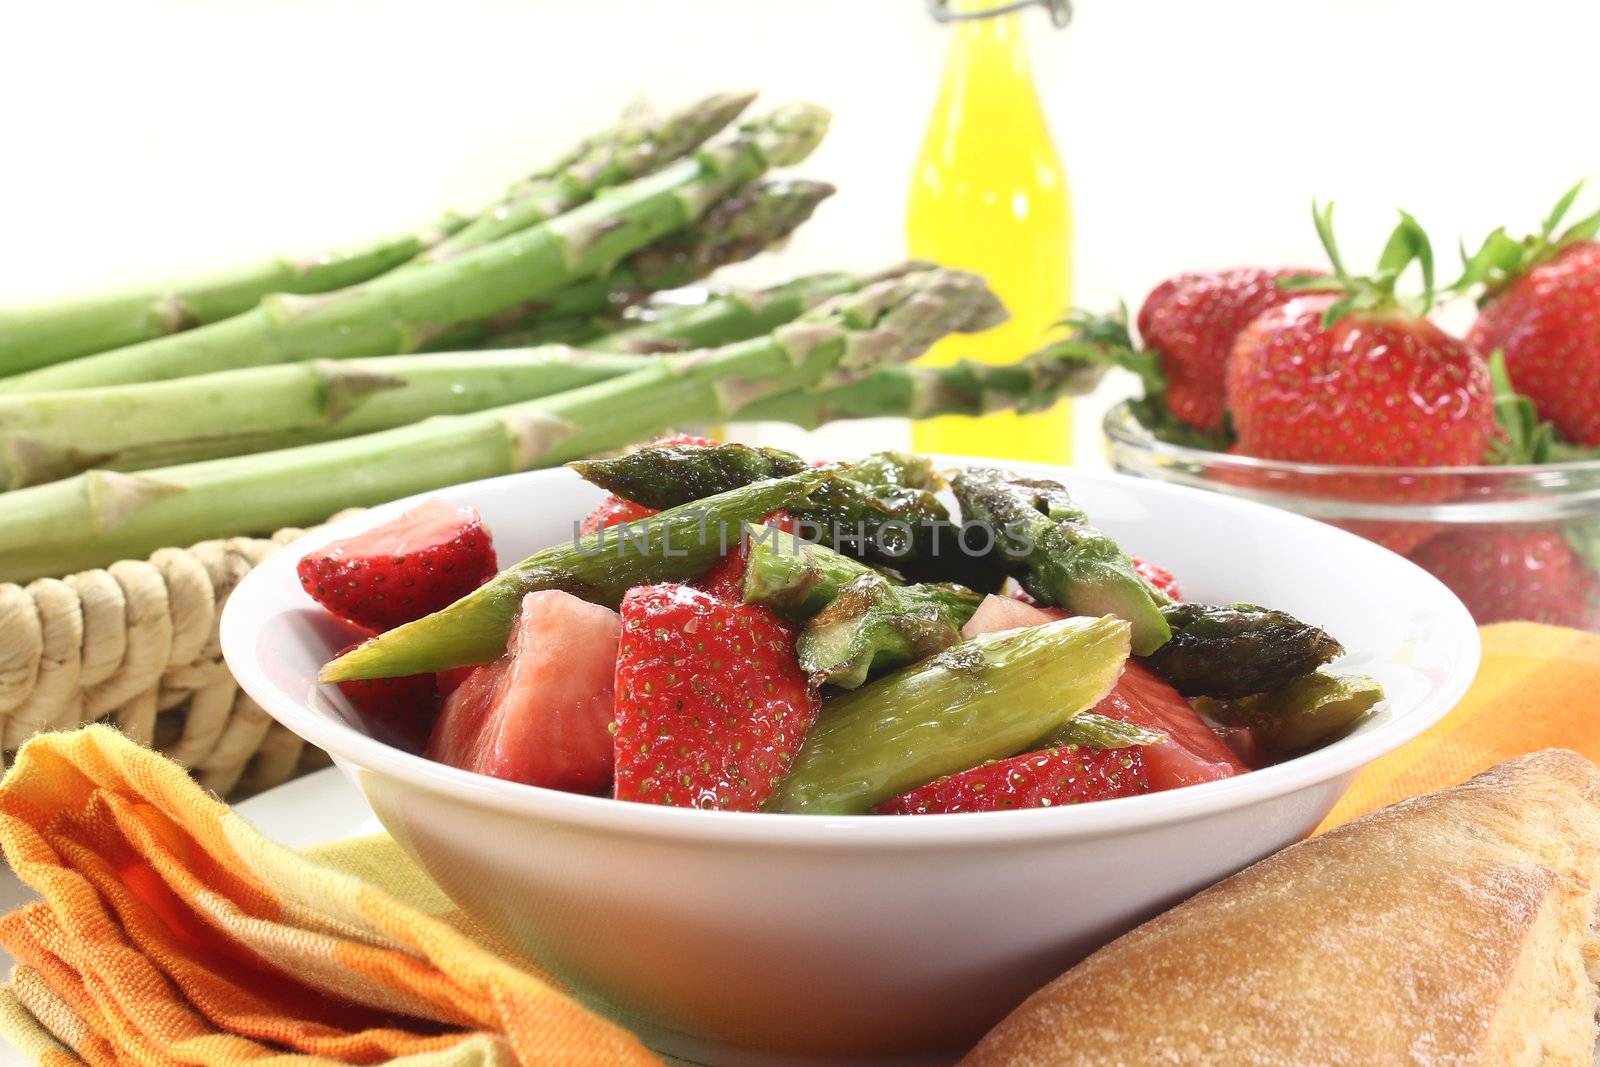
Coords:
pixel 1375 292
pixel 1501 259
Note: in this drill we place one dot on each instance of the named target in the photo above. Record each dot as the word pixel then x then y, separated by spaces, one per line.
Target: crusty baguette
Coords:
pixel 1453 928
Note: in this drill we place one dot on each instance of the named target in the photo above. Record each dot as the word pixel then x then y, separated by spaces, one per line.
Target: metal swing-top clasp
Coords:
pixel 1060 10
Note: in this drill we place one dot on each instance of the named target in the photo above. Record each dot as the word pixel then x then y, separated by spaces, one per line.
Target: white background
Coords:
pixel 168 135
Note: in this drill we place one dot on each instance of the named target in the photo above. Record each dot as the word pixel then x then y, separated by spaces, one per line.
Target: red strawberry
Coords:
pixel 613 511
pixel 1192 753
pixel 1159 577
pixel 726 578
pixel 1190 321
pixel 711 705
pixel 412 566
pixel 397 711
pixel 1045 779
pixel 1360 378
pixel 1542 309
pixel 1373 389
pixel 1509 574
pixel 541 714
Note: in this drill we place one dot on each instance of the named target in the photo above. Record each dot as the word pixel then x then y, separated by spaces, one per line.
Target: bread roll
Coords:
pixel 1453 928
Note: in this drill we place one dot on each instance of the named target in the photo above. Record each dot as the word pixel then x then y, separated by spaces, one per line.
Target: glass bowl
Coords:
pixel 1513 542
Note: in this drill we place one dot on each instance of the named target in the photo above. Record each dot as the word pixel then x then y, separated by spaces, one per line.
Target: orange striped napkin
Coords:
pixel 172 933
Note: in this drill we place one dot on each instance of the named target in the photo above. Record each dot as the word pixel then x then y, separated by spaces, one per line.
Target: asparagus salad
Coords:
pixel 741 629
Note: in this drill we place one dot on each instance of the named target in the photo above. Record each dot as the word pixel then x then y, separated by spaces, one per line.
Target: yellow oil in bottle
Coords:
pixel 989 195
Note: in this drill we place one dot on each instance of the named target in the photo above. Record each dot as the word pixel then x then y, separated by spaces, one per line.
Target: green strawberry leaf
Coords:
pixel 1524 437
pixel 1153 414
pixel 1408 244
pixel 1584 537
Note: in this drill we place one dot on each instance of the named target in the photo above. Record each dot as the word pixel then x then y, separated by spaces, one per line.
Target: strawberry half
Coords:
pixel 398 711
pixel 1046 779
pixel 711 706
pixel 412 566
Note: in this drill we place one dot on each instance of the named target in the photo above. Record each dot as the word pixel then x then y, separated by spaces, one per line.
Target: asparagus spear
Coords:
pixel 873 625
pixel 964 388
pixel 793 577
pixel 46 436
pixel 1237 649
pixel 638 146
pixel 882 505
pixel 676 544
pixel 728 316
pixel 857 620
pixel 400 312
pixel 1089 730
pixel 1047 541
pixel 984 699
pixel 98 517
pixel 1306 712
pixel 39 336
pixel 737 227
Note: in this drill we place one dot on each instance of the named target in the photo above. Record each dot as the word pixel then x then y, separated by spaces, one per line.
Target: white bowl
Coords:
pixel 731 938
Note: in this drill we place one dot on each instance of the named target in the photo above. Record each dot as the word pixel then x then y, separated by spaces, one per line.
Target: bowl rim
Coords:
pixel 604 815
pixel 1122 427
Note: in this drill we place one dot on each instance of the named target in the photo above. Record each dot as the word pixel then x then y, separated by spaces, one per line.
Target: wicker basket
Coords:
pixel 136 645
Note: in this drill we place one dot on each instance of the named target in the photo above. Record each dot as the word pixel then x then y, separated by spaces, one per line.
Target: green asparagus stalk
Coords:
pixel 728 316
pixel 101 516
pixel 400 312
pixel 1046 539
pixel 1089 730
pixel 857 620
pixel 965 388
pixel 794 578
pixel 883 505
pixel 676 544
pixel 637 147
pixel 873 626
pixel 47 436
pixel 39 336
pixel 1235 650
pixel 983 699
pixel 1308 711
pixel 737 227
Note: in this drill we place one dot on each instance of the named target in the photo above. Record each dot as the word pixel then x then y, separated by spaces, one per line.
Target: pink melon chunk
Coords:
pixel 1006 613
pixel 540 714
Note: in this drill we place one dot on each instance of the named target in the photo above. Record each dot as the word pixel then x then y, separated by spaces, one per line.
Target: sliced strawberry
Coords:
pixel 613 511
pixel 1192 754
pixel 397 711
pixel 540 714
pixel 1046 779
pixel 725 579
pixel 711 705
pixel 997 612
pixel 412 566
pixel 1159 577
